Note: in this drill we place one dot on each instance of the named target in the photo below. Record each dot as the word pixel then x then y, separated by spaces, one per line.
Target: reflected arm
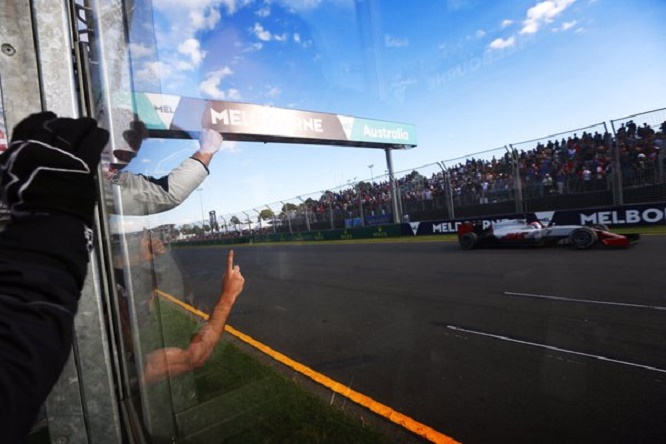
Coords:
pixel 167 362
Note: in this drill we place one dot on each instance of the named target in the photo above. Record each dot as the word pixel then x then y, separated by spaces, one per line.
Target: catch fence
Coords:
pixel 593 166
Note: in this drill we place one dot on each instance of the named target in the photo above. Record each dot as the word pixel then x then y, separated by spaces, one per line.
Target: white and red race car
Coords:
pixel 519 232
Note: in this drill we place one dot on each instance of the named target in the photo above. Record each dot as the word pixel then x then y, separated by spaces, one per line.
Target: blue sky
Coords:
pixel 470 74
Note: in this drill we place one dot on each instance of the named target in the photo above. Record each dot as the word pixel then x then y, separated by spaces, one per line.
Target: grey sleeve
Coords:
pixel 142 195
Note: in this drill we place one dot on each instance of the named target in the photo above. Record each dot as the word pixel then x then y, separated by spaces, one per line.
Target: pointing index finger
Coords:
pixel 230 261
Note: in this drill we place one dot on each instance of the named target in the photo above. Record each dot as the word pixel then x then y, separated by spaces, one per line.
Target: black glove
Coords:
pixel 50 166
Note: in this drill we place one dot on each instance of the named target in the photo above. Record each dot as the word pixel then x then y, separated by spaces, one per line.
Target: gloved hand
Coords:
pixel 210 141
pixel 134 137
pixel 50 166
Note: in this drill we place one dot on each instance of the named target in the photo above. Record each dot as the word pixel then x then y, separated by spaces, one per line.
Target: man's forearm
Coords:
pixel 204 342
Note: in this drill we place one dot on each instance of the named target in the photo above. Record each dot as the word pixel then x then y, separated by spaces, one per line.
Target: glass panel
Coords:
pixel 3 126
pixel 341 334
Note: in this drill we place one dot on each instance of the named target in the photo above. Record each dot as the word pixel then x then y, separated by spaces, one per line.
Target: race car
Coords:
pixel 520 232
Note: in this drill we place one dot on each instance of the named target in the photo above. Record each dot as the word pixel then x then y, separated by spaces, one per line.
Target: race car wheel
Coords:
pixel 468 241
pixel 583 238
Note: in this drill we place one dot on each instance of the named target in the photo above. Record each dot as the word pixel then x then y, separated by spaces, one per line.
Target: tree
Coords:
pixel 266 214
pixel 287 209
pixel 186 229
pixel 236 221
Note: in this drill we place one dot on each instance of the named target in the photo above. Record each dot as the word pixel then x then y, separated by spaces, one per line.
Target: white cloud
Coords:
pixel 261 33
pixel 263 12
pixel 182 65
pixel 543 13
pixel 297 39
pixel 506 23
pixel 253 47
pixel 197 5
pixel 211 85
pixel 395 42
pixel 139 51
pixel 567 25
pixel 192 49
pixel 201 21
pixel 480 33
pixel 502 43
pixel 153 71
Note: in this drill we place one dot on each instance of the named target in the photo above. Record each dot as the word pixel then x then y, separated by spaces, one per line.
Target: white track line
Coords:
pixel 587 301
pixel 550 347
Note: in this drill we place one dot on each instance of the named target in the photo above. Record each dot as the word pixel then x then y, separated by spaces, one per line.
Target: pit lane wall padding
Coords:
pixel 621 216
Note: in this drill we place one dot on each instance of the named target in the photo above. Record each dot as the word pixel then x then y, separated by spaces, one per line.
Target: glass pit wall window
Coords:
pixel 358 341
pixel 3 127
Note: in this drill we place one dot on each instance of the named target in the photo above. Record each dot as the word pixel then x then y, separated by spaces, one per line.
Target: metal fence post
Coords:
pixel 614 146
pixel 518 184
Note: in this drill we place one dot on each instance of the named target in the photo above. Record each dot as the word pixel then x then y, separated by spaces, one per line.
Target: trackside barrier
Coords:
pixel 618 216
pixel 374 232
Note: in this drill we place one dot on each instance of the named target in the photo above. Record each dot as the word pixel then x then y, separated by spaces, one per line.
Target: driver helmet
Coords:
pixel 536 225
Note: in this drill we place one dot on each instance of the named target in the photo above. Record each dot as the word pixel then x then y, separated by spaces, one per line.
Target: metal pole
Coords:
pixel 360 203
pixel 618 198
pixel 203 219
pixel 286 211
pixel 307 216
pixel 330 208
pixel 258 218
pixel 272 217
pixel 448 191
pixel 397 217
pixel 518 185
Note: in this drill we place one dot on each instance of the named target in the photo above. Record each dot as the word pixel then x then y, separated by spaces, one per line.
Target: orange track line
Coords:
pixel 387 412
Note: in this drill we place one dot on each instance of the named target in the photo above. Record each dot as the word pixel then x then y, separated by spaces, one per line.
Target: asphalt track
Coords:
pixel 523 345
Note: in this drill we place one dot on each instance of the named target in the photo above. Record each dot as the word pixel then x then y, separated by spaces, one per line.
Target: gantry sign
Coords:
pixel 169 116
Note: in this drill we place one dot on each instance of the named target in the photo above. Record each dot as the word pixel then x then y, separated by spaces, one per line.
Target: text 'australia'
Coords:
pixel 383 133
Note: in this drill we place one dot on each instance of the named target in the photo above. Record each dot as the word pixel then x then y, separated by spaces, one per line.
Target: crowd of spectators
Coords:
pixel 573 164
pixel 568 165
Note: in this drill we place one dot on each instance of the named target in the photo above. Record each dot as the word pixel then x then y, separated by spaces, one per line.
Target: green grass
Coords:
pixel 241 400
pixel 655 229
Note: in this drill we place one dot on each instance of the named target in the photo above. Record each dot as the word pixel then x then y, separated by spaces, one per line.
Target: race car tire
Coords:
pixel 468 241
pixel 583 238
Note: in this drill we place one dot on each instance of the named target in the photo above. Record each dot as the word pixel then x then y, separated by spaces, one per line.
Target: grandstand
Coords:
pixel 583 168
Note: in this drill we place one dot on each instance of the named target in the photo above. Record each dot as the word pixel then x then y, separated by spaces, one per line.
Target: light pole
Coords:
pixel 448 190
pixel 203 219
pixel 286 211
pixel 358 192
pixel 273 217
pixel 372 177
pixel 307 210
pixel 247 218
pixel 258 218
pixel 330 208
